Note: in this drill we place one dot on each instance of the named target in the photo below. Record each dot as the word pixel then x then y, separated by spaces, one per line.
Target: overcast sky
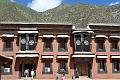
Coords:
pixel 43 5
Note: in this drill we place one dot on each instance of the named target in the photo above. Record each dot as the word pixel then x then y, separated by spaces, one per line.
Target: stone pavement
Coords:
pixel 81 78
pixel 59 79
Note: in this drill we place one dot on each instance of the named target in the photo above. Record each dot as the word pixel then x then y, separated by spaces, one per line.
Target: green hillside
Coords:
pixel 15 12
pixel 79 14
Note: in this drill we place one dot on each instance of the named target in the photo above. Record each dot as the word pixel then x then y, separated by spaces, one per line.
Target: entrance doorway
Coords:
pixel 23 67
pixel 29 67
pixel 83 68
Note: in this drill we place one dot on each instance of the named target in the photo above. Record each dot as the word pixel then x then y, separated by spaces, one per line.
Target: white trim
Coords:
pixel 48 35
pixel 76 52
pixel 47 56
pixel 101 36
pixel 27 55
pixel 62 35
pixel 9 57
pixel 104 24
pixel 7 35
pixel 114 36
pixel 62 56
pixel 40 36
pixel 28 28
pixel 117 56
pixel 27 32
pixel 82 31
pixel 50 23
pixel 102 56
pixel 29 51
pixel 78 55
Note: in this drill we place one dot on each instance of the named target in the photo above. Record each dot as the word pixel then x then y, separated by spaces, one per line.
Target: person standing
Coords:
pixel 26 73
pixel 57 76
pixel 32 73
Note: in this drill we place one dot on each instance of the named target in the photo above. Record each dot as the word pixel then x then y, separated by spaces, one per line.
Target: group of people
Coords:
pixel 27 72
pixel 32 72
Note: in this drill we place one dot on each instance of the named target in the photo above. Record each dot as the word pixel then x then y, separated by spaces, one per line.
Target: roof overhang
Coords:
pixel 102 56
pixel 76 52
pixel 78 31
pixel 115 56
pixel 7 35
pixel 27 55
pixel 114 36
pixel 62 36
pixel 37 23
pixel 46 56
pixel 6 57
pixel 83 55
pixel 100 36
pixel 22 32
pixel 48 36
pixel 24 52
pixel 63 56
pixel 104 24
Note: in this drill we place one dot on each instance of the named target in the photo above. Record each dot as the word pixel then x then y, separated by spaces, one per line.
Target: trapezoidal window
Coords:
pixel 48 44
pixel 7 44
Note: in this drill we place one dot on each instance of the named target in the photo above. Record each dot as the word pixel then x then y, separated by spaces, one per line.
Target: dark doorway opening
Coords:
pixel 29 67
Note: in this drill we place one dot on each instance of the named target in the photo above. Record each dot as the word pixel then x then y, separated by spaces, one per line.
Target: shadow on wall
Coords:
pixel 0 70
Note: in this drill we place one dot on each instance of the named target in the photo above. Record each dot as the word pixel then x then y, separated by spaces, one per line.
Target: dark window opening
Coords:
pixel 28 42
pixel 100 45
pixel 116 66
pixel 7 44
pixel 114 45
pixel 78 43
pixel 62 44
pixel 6 69
pixel 48 44
pixel 62 67
pixel 86 43
pixel 82 42
pixel 102 68
pixel 47 67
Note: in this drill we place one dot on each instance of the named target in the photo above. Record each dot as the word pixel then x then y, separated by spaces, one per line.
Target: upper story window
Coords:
pixel 62 44
pixel 100 45
pixel 114 45
pixel 8 42
pixel 28 42
pixel 82 42
pixel 48 44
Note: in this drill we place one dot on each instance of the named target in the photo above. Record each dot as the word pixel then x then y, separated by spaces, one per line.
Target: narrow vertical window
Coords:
pixel 7 44
pixel 116 66
pixel 6 69
pixel 114 45
pixel 62 46
pixel 48 44
pixel 62 67
pixel 100 45
pixel 102 68
pixel 47 67
pixel 78 43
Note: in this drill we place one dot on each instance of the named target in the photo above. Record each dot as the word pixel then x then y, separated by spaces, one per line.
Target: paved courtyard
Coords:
pixel 81 78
